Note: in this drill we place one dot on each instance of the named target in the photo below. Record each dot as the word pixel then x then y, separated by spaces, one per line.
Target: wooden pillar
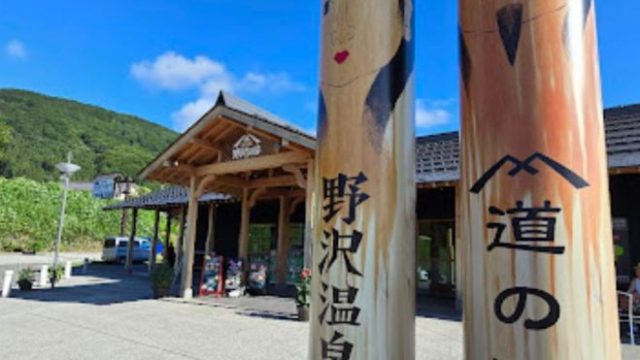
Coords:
pixel 167 240
pixel 283 240
pixel 310 200
pixel 243 239
pixel 179 246
pixel 123 222
pixel 154 240
pixel 364 249
pixel 458 250
pixel 539 265
pixel 186 286
pixel 211 218
pixel 132 238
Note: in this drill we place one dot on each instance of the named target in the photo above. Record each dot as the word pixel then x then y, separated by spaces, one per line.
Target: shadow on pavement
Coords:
pixel 101 285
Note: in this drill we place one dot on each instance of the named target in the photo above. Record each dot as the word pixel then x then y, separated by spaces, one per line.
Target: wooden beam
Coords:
pixel 253 199
pixel 179 245
pixel 294 204
pixel 203 184
pixel 296 170
pixel 206 144
pixel 288 180
pixel 252 164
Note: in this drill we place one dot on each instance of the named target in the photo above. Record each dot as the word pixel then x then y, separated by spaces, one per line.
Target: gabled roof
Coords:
pixel 438 156
pixel 622 125
pixel 247 108
pixel 228 110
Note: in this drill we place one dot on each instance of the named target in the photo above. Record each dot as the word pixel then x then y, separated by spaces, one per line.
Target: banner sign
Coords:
pixel 212 274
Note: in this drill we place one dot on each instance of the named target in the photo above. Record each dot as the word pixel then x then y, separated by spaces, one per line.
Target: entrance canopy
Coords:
pixel 236 146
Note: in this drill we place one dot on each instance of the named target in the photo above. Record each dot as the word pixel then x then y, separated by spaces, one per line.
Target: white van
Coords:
pixel 114 249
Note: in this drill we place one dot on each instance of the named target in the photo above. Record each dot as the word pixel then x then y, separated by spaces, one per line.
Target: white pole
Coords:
pixel 6 285
pixel 44 271
pixel 67 270
pixel 60 225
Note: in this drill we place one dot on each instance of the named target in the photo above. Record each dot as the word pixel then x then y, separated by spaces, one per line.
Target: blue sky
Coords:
pixel 165 60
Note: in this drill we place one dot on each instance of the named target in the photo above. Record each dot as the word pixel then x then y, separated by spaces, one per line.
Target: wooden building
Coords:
pixel 262 165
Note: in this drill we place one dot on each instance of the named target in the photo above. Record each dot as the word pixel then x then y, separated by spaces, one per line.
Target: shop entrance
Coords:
pixel 436 258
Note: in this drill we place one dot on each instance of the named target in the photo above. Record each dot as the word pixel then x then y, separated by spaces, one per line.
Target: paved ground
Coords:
pixel 107 315
pixel 18 261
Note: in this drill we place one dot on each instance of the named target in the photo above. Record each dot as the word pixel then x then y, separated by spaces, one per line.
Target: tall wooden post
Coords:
pixel 132 239
pixel 154 240
pixel 539 269
pixel 363 283
pixel 211 220
pixel 310 200
pixel 190 241
pixel 167 240
pixel 283 240
pixel 243 239
pixel 180 243
pixel 458 249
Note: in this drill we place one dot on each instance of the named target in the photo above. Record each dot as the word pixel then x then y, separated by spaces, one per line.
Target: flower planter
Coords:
pixel 303 313
pixel 25 285
pixel 161 292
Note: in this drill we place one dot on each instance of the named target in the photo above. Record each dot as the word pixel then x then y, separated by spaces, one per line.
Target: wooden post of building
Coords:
pixel 167 240
pixel 310 200
pixel 154 240
pixel 243 239
pixel 123 221
pixel 211 220
pixel 283 240
pixel 458 249
pixel 132 239
pixel 539 266
pixel 364 248
pixel 190 241
pixel 180 243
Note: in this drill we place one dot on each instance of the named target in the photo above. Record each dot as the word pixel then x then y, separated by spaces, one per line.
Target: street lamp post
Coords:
pixel 67 169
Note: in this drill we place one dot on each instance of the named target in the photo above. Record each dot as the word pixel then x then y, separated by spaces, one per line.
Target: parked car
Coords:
pixel 114 249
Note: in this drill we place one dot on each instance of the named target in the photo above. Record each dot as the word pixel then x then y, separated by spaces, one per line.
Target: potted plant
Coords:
pixel 25 279
pixel 55 274
pixel 161 277
pixel 303 295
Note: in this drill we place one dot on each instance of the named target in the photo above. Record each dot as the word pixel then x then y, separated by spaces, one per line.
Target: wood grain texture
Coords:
pixel 531 84
pixel 365 127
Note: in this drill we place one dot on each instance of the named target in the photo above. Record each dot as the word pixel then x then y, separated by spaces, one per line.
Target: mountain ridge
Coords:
pixel 44 128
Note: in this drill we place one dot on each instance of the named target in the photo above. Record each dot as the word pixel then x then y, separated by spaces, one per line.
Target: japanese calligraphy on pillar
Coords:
pixel 536 223
pixel 363 303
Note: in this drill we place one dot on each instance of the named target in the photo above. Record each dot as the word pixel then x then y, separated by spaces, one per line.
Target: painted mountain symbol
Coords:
pixel 525 165
pixel 510 24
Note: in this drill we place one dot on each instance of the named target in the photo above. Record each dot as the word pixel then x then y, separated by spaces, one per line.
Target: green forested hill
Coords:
pixel 43 129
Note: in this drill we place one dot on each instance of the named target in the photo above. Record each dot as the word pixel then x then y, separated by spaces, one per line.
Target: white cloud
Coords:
pixel 16 49
pixel 174 72
pixel 171 71
pixel 432 113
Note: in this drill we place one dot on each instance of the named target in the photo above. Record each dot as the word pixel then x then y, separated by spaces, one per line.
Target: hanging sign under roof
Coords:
pixel 247 146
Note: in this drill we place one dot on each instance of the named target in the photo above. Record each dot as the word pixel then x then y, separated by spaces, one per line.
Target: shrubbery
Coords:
pixel 29 217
